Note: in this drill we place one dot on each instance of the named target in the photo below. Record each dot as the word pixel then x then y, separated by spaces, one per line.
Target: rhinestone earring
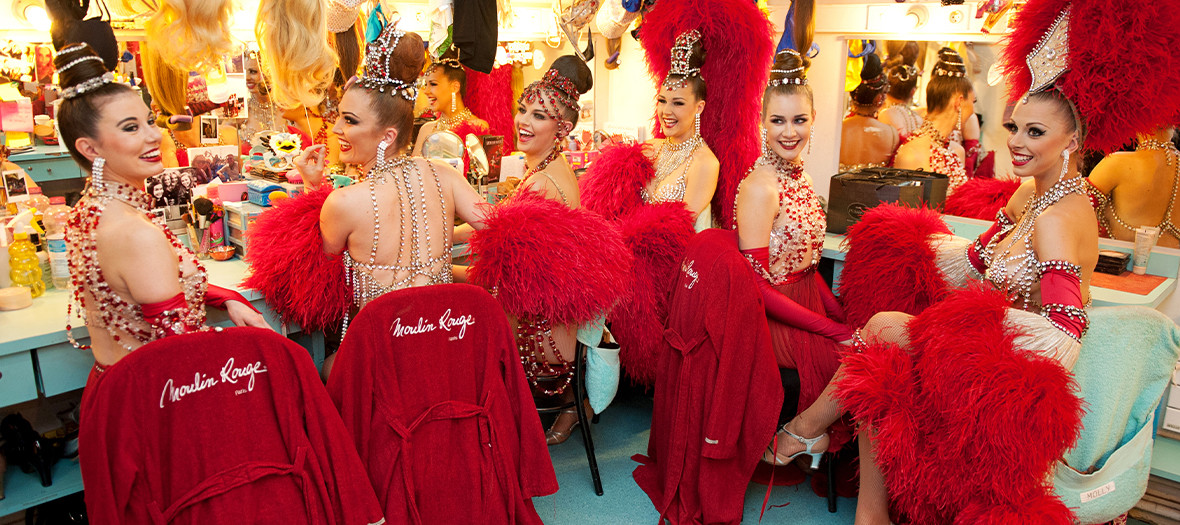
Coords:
pixel 382 164
pixel 696 124
pixel 810 139
pixel 96 180
pixel 959 119
pixel 1064 164
pixel 454 94
pixel 765 145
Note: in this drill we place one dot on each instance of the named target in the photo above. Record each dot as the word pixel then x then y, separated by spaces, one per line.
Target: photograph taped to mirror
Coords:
pixel 853 193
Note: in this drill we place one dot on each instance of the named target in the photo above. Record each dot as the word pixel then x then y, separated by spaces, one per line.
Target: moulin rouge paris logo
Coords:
pixel 230 374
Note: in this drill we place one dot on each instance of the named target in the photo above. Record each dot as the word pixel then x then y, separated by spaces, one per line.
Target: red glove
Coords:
pixel 782 309
pixel 217 296
pixel 831 304
pixel 973 255
pixel 166 316
pixel 1061 300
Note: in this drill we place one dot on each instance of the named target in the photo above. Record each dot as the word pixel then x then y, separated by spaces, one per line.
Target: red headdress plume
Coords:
pixel 736 37
pixel 1123 70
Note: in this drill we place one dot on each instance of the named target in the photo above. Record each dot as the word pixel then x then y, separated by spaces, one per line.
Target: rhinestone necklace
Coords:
pixel 798 227
pixel 1015 274
pixel 446 123
pixel 669 159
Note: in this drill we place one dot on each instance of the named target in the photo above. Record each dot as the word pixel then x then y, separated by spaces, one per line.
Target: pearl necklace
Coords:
pixel 666 164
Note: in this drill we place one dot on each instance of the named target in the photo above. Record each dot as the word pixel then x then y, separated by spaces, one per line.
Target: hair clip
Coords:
pixel 89 85
pixel 70 49
pixel 77 61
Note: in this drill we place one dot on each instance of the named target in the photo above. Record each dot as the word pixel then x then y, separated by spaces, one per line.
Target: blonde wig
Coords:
pixel 166 83
pixel 296 55
pixel 192 35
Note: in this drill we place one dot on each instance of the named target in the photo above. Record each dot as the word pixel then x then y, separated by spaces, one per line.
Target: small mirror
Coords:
pixel 443 145
pixel 479 158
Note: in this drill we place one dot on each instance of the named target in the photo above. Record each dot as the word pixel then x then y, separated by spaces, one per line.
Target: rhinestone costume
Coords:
pixel 1166 225
pixel 97 303
pixel 671 158
pixel 942 159
pixel 418 269
pixel 909 119
pixel 797 233
pixel 1013 266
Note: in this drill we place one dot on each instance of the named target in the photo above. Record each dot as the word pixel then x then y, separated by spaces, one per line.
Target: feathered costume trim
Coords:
pixel 980 198
pixel 489 97
pixel 967 427
pixel 736 36
pixel 612 184
pixel 890 266
pixel 657 236
pixel 548 260
pixel 289 267
pixel 1124 71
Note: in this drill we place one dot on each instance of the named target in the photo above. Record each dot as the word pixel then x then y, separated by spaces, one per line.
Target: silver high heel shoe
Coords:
pixel 774 458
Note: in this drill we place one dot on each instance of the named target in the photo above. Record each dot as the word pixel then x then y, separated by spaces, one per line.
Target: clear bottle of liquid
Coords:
pixel 36 200
pixel 55 218
pixel 24 269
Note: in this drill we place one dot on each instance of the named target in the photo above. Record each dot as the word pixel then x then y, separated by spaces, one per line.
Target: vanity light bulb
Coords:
pixel 36 16
pixel 538 59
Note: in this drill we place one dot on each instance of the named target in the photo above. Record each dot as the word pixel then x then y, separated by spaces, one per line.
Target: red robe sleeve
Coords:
pixel 107 501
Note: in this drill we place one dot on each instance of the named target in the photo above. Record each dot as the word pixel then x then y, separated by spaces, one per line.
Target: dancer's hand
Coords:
pixel 310 164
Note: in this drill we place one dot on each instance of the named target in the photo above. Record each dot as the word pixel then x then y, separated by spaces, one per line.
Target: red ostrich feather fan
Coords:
pixel 967 425
pixel 980 198
pixel 737 39
pixel 548 260
pixel 289 267
pixel 612 184
pixel 489 97
pixel 1124 71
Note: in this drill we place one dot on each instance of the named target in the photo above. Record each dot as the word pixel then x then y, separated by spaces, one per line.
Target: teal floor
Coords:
pixel 622 432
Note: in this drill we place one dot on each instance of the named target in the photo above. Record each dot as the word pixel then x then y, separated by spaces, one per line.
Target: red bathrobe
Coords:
pixel 228 427
pixel 430 385
pixel 718 395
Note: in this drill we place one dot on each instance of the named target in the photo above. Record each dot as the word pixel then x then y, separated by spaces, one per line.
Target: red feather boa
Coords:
pixel 657 236
pixel 737 38
pixel 967 426
pixel 980 198
pixel 548 260
pixel 1124 72
pixel 889 265
pixel 612 184
pixel 289 267
pixel 489 97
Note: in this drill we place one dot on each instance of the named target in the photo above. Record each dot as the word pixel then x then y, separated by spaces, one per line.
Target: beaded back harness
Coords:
pixel 942 159
pixel 415 234
pixel 797 233
pixel 909 118
pixel 1166 225
pixel 123 319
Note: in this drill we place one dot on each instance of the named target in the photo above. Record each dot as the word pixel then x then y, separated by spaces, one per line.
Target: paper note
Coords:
pixel 16 115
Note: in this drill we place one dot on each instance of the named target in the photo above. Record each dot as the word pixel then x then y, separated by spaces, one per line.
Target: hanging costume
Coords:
pixel 718 392
pixel 985 375
pixel 443 442
pixel 657 231
pixel 254 438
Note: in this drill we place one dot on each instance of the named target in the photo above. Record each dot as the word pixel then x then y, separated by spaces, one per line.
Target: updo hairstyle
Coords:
pixel 696 60
pixel 901 70
pixel 788 76
pixel 573 68
pixel 450 67
pixel 948 79
pixel 391 109
pixel 79 116
pixel 872 82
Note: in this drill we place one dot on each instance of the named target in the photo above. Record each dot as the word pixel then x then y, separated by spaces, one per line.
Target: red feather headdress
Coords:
pixel 1123 70
pixel 737 38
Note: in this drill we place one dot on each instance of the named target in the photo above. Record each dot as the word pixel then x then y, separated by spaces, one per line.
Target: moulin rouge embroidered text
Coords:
pixel 229 374
pixel 447 322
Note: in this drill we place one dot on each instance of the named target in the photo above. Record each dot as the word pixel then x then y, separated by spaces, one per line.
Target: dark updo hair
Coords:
pixel 901 69
pixel 789 69
pixel 78 116
pixel 696 60
pixel 450 67
pixel 573 68
pixel 948 80
pixel 390 108
pixel 872 82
